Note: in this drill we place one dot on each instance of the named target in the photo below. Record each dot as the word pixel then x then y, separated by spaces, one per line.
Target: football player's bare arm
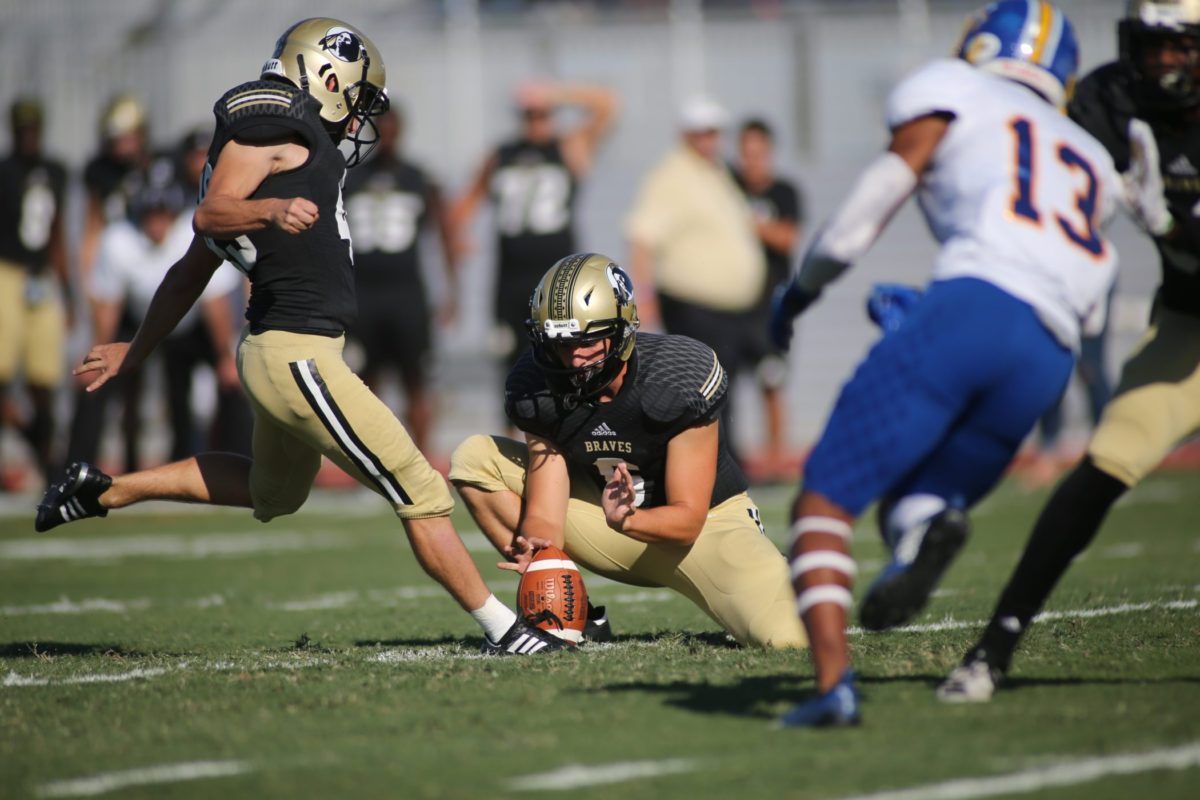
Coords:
pixel 601 107
pixel 690 474
pixel 226 210
pixel 219 324
pixel 93 225
pixel 462 211
pixel 780 235
pixel 178 292
pixel 547 491
pixel 448 236
pixel 915 141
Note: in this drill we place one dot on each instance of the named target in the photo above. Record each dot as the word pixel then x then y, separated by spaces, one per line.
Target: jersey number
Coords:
pixel 1026 178
pixel 607 466
pixel 532 199
pixel 385 222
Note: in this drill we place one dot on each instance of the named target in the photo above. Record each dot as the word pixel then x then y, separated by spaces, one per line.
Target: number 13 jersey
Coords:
pixel 1017 194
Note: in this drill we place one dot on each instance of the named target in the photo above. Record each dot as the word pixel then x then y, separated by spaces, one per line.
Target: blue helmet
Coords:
pixel 1028 41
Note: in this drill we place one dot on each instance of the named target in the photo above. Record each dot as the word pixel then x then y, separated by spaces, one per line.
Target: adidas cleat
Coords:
pixel 973 681
pixel 76 497
pixel 836 708
pixel 597 628
pixel 904 586
pixel 522 639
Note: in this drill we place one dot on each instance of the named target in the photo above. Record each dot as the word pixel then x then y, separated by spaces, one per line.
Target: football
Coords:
pixel 551 595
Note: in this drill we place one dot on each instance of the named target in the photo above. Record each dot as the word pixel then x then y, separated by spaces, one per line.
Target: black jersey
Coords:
pixel 31 196
pixel 1103 104
pixel 533 192
pixel 388 203
pixel 298 282
pixel 673 383
pixel 779 201
pixel 113 183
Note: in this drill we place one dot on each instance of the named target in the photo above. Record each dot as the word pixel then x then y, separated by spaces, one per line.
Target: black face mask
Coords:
pixel 1174 89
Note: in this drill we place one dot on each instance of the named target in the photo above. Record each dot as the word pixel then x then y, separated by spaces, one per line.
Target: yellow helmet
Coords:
pixel 583 298
pixel 336 64
pixel 122 114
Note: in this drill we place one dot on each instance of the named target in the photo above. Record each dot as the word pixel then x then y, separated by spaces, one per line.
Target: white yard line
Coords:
pixel 455 652
pixel 575 776
pixel 15 679
pixel 1046 616
pixel 64 605
pixel 1067 773
pixel 145 776
pixel 174 546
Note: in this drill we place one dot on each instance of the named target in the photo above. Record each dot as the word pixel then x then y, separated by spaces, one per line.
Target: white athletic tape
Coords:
pixel 838 595
pixel 566 634
pixel 824 559
pixel 552 563
pixel 831 525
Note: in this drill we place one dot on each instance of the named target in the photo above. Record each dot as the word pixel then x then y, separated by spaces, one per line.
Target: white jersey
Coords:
pixel 129 268
pixel 1016 193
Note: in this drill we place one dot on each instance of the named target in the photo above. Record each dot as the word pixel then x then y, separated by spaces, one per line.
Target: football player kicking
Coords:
pixel 1145 108
pixel 626 465
pixel 271 204
pixel 1016 194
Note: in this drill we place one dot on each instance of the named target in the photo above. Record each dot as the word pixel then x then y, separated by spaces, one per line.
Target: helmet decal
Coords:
pixel 344 44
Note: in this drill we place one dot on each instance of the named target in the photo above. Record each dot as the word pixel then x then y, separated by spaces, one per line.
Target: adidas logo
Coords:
pixel 1182 165
pixel 603 430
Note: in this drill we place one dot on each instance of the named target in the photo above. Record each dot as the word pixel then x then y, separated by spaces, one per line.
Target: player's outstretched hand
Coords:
pixel 620 498
pixel 788 301
pixel 890 303
pixel 1144 190
pixel 521 552
pixel 104 361
pixel 294 215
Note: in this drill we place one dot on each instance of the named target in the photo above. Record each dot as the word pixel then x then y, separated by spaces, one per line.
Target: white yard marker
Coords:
pixel 1046 616
pixel 1067 773
pixel 172 546
pixel 64 605
pixel 574 776
pixel 145 776
pixel 15 679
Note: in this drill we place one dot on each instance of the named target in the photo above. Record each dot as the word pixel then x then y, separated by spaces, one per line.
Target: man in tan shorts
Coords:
pixel 277 139
pixel 33 326
pixel 626 465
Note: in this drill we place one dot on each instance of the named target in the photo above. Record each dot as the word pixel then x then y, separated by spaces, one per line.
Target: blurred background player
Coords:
pixel 33 327
pixel 289 138
pixel 390 201
pixel 694 246
pixel 779 215
pixel 934 414
pixel 626 464
pixel 1145 109
pixel 110 179
pixel 131 262
pixel 533 183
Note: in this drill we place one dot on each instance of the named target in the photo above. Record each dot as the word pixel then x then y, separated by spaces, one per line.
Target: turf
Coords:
pixel 315 654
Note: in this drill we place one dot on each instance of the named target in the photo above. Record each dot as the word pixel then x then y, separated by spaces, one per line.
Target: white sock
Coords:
pixel 494 617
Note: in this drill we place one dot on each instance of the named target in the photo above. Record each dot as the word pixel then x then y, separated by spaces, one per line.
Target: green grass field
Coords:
pixel 191 652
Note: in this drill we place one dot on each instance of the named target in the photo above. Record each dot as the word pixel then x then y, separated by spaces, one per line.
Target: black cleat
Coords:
pixel 597 628
pixel 904 586
pixel 76 497
pixel 522 639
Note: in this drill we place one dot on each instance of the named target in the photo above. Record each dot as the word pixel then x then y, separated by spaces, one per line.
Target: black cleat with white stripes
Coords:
pixel 522 639
pixel 76 497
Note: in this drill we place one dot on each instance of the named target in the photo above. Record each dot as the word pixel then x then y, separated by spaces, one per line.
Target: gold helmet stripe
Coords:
pixel 562 291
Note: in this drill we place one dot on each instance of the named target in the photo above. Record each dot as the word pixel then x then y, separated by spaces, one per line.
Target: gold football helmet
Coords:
pixel 122 114
pixel 583 298
pixel 1151 24
pixel 341 68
